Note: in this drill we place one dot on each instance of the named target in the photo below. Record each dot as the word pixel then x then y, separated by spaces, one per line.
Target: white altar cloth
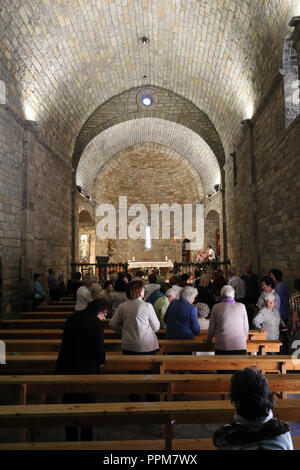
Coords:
pixel 150 264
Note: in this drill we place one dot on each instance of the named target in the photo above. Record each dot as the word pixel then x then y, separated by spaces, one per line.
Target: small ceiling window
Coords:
pixel 147 100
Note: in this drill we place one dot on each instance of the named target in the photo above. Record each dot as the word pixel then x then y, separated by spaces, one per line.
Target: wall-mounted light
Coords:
pixel 144 40
pixel 30 113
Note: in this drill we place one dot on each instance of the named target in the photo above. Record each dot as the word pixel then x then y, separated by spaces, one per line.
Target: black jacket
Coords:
pixel 239 434
pixel 82 348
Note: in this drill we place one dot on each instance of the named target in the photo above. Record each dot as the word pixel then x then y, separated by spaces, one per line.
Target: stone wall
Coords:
pixel 146 175
pixel 11 205
pixel 263 207
pixel 34 210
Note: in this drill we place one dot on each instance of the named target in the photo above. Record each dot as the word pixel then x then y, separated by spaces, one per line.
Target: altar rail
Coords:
pixel 189 268
pixel 104 271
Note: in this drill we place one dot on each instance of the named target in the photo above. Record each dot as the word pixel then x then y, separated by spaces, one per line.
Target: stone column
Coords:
pixel 255 256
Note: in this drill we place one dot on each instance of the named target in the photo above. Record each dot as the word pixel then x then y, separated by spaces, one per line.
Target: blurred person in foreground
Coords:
pixel 253 426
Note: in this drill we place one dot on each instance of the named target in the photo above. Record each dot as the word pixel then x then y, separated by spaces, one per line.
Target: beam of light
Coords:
pixel 30 113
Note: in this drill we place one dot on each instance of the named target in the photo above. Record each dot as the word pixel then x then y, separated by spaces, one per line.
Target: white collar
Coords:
pixel 253 424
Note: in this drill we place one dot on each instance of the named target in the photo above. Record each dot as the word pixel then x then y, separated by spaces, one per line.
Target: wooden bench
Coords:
pixel 158 363
pixel 56 307
pixel 166 385
pixel 150 444
pixel 114 345
pixel 162 413
pixel 45 315
pixel 44 333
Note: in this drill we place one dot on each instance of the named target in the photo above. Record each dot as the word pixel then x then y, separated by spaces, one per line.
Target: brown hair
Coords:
pixel 134 289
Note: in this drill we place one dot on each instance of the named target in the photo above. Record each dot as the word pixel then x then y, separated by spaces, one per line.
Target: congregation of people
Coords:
pixel 182 305
pixel 227 309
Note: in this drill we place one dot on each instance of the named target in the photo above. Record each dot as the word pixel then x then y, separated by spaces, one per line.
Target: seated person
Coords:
pixel 95 288
pixel 229 324
pixel 218 282
pixel 181 316
pixel 184 279
pixel 268 318
pixel 118 296
pixel 74 284
pixel 38 292
pixel 106 294
pixel 151 286
pixel 203 313
pixel 83 296
pixel 162 304
pixel 267 286
pixel 253 426
pixel 156 294
pixel 201 256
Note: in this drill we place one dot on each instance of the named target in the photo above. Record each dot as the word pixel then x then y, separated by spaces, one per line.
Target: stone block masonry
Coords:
pixel 35 226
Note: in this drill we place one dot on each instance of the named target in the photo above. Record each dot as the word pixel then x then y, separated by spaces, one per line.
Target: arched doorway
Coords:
pixel 87 235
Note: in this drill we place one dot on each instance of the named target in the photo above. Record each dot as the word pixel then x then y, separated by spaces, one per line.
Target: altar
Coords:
pixel 163 266
pixel 149 264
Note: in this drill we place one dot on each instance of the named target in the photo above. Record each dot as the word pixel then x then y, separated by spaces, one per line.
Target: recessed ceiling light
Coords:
pixel 147 100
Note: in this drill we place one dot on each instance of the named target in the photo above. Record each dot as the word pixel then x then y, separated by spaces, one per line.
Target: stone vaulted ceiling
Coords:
pixel 61 60
pixel 174 137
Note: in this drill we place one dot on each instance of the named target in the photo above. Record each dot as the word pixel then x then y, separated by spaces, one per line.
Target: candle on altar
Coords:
pixel 133 258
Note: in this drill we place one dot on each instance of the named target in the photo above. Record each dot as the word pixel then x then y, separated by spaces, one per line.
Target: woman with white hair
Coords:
pixel 203 312
pixel 95 288
pixel 162 304
pixel 83 296
pixel 268 318
pixel 229 324
pixel 181 316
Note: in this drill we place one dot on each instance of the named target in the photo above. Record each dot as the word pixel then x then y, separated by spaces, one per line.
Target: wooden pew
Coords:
pixel 163 413
pixel 45 315
pixel 33 323
pixel 107 384
pixel 158 363
pixel 62 307
pixel 114 345
pixel 197 444
pixel 45 333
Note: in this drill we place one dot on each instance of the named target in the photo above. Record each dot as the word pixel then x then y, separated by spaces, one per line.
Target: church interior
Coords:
pixel 111 109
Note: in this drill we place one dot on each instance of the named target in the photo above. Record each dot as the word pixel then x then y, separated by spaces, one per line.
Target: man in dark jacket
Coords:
pixel 82 352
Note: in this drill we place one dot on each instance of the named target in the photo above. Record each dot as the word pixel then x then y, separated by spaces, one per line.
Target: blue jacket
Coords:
pixel 181 319
pixel 156 294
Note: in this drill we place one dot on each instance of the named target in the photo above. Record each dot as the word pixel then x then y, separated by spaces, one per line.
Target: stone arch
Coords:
pixel 148 130
pixel 86 236
pixel 167 105
pixel 85 217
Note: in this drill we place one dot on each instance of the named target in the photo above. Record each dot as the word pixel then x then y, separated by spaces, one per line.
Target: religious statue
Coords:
pixel 110 248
